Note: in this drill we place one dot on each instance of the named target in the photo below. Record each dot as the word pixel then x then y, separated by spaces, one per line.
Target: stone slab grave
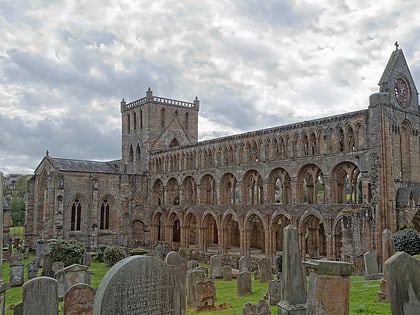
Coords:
pixel 205 295
pixel 17 274
pixel 39 296
pixel 244 283
pixel 264 270
pixel 261 308
pixel 227 273
pixel 79 299
pixel 371 266
pixel 193 276
pixel 138 285
pixel 402 272
pixel 179 268
pixel 216 262
pixel 244 264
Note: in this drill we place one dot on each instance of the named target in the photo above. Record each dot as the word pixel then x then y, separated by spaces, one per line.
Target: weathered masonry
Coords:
pixel 342 180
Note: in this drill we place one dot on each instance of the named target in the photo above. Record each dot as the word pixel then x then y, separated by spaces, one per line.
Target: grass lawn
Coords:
pixel 362 294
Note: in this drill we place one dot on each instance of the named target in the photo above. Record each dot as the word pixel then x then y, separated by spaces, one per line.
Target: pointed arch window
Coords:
pixel 131 154
pixel 104 218
pixel 76 212
pixel 138 152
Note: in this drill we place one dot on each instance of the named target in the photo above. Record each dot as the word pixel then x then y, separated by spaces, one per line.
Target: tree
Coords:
pixel 17 200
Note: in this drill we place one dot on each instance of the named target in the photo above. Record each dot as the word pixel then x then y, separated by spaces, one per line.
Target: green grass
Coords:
pixel 16 232
pixel 363 294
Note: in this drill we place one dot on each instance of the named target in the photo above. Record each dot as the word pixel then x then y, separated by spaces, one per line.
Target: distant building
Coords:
pixel 341 179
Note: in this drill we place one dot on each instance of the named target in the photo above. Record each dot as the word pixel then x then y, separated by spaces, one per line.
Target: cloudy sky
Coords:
pixel 65 65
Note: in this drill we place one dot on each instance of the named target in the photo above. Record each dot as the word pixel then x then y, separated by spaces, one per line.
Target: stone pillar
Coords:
pixel 329 287
pixel 294 293
pixel 388 249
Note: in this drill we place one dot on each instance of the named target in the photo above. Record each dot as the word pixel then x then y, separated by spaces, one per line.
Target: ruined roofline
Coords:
pixel 272 130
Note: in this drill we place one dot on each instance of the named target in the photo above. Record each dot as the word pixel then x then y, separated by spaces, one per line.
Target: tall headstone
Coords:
pixel 402 272
pixel 179 267
pixel 294 288
pixel 193 277
pixel 205 294
pixel 138 285
pixel 79 299
pixel 244 283
pixel 17 274
pixel 274 292
pixel 388 249
pixel 216 262
pixel 264 270
pixel 40 251
pixel 39 296
pixel 329 287
pixel 371 266
pixel 32 270
pixel 244 264
pixel 75 274
pixel 47 262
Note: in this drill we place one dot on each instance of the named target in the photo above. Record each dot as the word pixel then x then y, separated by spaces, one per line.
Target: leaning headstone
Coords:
pixel 371 266
pixel 261 308
pixel 39 296
pixel 205 294
pixel 329 287
pixel 402 272
pixel 244 264
pixel 274 292
pixel 138 285
pixel 32 270
pixel 216 262
pixel 264 270
pixel 244 283
pixel 17 274
pixel 193 276
pixel 388 249
pixel 179 267
pixel 227 273
pixel 294 288
pixel 79 299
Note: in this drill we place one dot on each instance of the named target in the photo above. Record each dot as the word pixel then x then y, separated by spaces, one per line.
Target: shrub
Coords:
pixel 68 251
pixel 100 253
pixel 114 254
pixel 408 241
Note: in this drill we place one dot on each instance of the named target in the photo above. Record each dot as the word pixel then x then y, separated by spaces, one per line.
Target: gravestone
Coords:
pixel 261 308
pixel 138 285
pixel 371 266
pixel 294 288
pixel 75 274
pixel 87 258
pixel 244 283
pixel 205 294
pixel 183 253
pixel 193 277
pixel 264 270
pixel 402 272
pixel 17 274
pixel 227 273
pixel 216 262
pixel 388 249
pixel 47 270
pixel 32 270
pixel 61 287
pixel 26 253
pixel 57 266
pixel 192 264
pixel 274 292
pixel 39 296
pixel 244 264
pixel 78 300
pixel 179 267
pixel 203 269
pixel 329 287
pixel 40 252
pixel 18 309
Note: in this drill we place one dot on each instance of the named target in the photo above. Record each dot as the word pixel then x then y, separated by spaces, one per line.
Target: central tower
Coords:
pixel 153 124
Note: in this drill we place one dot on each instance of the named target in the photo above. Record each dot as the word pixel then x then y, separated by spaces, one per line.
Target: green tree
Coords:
pixel 17 200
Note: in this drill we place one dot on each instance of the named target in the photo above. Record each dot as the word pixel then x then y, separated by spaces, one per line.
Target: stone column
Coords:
pixel 294 293
pixel 388 249
pixel 329 287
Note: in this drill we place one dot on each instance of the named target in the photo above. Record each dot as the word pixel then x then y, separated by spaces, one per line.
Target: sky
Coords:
pixel 65 65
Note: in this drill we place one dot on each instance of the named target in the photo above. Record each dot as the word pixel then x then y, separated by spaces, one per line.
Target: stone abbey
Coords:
pixel 342 180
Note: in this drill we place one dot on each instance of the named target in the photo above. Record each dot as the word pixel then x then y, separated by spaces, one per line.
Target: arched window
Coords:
pixel 174 143
pixel 138 152
pixel 131 154
pixel 76 212
pixel 104 218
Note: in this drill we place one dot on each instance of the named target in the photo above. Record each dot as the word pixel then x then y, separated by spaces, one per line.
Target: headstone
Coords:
pixel 3 287
pixel 329 287
pixel 87 258
pixel 26 253
pixel 244 283
pixel 183 253
pixel 193 276
pixel 205 294
pixel 13 258
pixel 179 267
pixel 371 266
pixel 192 264
pixel 78 300
pixel 138 285
pixel 18 309
pixel 388 249
pixel 244 264
pixel 57 266
pixel 261 308
pixel 227 273
pixel 264 270
pixel 274 291
pixel 216 262
pixel 75 274
pixel 40 252
pixel 17 274
pixel 402 272
pixel 203 269
pixel 32 270
pixel 47 266
pixel 294 287
pixel 61 286
pixel 40 289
